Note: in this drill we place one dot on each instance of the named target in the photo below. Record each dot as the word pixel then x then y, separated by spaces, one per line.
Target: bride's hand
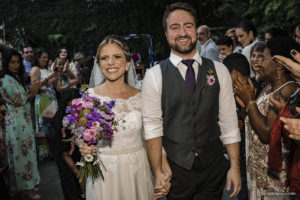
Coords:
pixel 85 149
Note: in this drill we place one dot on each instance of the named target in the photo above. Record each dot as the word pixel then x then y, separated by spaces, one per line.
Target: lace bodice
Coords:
pixel 129 129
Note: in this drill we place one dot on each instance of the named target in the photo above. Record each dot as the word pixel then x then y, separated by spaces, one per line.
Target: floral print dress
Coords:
pixel 260 184
pixel 19 141
pixel 45 104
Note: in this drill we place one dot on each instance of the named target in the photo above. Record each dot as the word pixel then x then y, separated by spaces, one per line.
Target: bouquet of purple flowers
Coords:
pixel 90 120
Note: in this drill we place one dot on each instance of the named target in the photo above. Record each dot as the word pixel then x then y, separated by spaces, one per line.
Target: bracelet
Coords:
pixel 250 103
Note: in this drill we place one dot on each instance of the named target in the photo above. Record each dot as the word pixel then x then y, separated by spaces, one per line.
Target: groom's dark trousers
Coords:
pixel 198 183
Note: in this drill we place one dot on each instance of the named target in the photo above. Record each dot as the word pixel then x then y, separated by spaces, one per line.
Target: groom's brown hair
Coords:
pixel 178 6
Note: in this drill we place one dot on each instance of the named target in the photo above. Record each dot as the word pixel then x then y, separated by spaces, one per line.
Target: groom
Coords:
pixel 189 109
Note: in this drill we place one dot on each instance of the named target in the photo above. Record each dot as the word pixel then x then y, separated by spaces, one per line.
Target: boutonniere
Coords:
pixel 210 79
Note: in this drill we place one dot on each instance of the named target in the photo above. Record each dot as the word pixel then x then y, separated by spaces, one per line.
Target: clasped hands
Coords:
pixel 162 179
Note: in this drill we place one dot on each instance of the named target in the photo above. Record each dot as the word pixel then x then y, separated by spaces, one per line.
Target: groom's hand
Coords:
pixel 234 178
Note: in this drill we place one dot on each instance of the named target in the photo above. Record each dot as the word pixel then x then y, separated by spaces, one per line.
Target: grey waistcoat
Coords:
pixel 190 121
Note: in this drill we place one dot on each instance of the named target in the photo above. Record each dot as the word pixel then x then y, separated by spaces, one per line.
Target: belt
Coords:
pixel 121 151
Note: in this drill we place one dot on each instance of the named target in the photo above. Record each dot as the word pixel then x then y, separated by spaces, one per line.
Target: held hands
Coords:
pixel 162 179
pixel 162 186
pixel 292 126
pixel 234 178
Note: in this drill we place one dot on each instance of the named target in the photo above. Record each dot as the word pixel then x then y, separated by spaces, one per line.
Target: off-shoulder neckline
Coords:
pixel 121 99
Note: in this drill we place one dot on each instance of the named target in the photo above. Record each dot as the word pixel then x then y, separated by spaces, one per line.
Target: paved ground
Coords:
pixel 49 187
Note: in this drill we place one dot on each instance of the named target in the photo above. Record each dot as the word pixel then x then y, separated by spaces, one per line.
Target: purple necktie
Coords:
pixel 190 74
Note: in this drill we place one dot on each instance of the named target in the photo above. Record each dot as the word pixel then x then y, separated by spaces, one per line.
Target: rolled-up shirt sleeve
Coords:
pixel 151 103
pixel 228 121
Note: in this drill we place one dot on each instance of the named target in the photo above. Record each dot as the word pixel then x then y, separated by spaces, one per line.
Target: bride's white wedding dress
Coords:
pixel 127 175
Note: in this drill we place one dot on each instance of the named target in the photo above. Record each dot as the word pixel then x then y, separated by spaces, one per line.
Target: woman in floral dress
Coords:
pixel 262 182
pixel 20 143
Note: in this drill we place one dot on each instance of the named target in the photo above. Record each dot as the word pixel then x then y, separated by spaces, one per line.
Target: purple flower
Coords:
pixel 65 121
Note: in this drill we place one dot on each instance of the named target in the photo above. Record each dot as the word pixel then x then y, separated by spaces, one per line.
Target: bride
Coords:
pixel 126 168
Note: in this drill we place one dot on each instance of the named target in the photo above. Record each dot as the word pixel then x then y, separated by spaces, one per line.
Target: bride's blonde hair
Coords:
pixel 113 39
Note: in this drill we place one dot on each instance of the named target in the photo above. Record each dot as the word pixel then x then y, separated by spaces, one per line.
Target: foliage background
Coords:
pixel 82 24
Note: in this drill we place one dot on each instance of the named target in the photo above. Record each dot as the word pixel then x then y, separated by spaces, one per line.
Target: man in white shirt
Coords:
pixel 188 108
pixel 209 48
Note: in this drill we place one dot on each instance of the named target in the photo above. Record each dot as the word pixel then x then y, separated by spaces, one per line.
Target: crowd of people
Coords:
pixel 219 118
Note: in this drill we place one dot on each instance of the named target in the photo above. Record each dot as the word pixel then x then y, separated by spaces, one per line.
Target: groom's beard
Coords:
pixel 183 49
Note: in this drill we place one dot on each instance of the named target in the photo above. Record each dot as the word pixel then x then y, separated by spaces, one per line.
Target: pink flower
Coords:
pixel 77 101
pixel 210 79
pixel 89 134
pixel 87 105
pixel 95 125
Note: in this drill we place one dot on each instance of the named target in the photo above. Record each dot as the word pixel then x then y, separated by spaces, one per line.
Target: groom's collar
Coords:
pixel 175 60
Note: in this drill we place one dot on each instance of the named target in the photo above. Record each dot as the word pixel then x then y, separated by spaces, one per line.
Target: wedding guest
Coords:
pixel 225 45
pixel 238 67
pixel 236 46
pixel 65 76
pixel 20 142
pixel 45 100
pixel 261 118
pixel 3 160
pixel 274 32
pixel 289 116
pixel 256 56
pixel 246 33
pixel 63 54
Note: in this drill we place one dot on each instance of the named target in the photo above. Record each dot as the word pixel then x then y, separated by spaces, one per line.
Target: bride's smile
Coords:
pixel 112 62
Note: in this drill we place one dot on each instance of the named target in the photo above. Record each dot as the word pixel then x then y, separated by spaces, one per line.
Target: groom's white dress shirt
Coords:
pixel 151 100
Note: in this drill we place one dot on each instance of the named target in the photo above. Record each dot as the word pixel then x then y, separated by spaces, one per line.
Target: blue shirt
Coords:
pixel 27 65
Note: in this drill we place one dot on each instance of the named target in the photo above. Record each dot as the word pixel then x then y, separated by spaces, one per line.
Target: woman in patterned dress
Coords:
pixel 261 183
pixel 19 141
pixel 45 100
